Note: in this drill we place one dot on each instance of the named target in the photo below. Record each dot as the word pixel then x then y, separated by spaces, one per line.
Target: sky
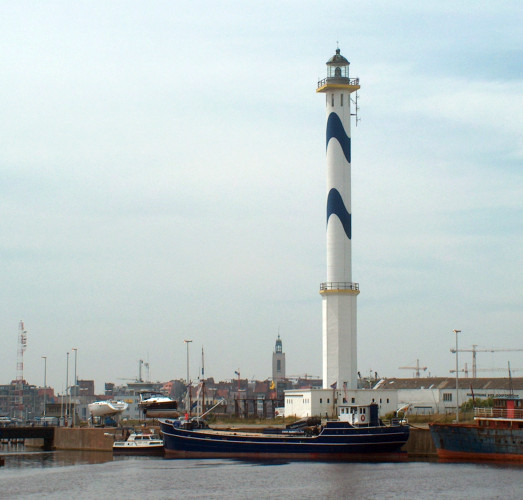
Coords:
pixel 162 178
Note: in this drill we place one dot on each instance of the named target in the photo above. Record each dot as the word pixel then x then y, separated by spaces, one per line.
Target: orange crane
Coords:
pixel 417 368
pixel 475 350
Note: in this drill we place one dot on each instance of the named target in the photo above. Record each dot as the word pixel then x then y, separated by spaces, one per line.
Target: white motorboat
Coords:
pixel 107 408
pixel 139 444
pixel 155 405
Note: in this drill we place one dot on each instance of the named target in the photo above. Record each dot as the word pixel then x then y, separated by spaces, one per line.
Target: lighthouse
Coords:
pixel 339 293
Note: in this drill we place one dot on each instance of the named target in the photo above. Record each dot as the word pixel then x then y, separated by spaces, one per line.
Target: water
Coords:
pixel 96 475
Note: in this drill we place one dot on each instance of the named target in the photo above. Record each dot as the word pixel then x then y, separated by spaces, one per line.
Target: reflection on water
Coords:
pixel 17 456
pixel 64 474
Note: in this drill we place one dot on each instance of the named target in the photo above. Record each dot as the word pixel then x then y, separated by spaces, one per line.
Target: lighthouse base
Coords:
pixel 340 369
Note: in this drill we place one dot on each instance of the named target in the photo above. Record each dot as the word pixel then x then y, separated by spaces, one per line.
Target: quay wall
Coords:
pixel 420 443
pixel 83 438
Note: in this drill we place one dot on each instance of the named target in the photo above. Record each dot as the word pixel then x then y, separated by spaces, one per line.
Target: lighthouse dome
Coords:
pixel 337 60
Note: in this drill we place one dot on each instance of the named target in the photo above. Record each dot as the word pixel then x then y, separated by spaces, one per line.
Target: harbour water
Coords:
pixel 86 475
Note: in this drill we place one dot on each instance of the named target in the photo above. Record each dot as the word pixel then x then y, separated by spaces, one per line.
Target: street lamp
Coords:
pixel 457 401
pixel 75 349
pixel 45 384
pixel 67 389
pixel 187 402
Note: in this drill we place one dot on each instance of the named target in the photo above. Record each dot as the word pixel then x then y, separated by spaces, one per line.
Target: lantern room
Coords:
pixel 337 66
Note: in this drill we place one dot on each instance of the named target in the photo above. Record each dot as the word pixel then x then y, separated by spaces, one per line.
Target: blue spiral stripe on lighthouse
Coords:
pixel 336 206
pixel 335 129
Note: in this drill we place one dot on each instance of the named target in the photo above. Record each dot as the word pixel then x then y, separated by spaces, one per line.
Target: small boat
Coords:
pixel 156 405
pixel 107 408
pixel 139 444
pixel 496 434
pixel 358 433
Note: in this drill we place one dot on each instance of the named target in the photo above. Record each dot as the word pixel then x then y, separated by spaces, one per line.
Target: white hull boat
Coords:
pixel 156 405
pixel 139 444
pixel 107 408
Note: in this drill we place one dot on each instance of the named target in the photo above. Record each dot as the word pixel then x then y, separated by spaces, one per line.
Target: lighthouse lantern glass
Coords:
pixel 338 71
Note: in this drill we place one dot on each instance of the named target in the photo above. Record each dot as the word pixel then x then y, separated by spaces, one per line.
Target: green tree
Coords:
pixel 477 403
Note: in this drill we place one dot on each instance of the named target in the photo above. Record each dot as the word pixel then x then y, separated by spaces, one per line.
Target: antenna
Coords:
pixel 356 107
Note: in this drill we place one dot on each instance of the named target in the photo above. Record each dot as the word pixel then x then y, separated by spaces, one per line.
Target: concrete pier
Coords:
pixel 419 445
pixel 84 438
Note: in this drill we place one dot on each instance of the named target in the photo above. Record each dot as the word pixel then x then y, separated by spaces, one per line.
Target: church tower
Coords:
pixel 278 361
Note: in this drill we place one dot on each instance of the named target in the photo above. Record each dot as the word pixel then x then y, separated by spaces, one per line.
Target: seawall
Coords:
pixel 84 438
pixel 420 443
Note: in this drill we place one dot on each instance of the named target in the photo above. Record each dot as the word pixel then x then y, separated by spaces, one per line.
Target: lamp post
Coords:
pixel 457 387
pixel 45 383
pixel 67 409
pixel 188 401
pixel 75 349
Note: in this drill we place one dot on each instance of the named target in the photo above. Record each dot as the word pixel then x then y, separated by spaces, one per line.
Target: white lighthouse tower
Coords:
pixel 339 293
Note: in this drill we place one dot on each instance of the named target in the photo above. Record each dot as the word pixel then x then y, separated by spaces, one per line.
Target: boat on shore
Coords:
pixel 496 434
pixel 155 405
pixel 357 434
pixel 139 444
pixel 107 408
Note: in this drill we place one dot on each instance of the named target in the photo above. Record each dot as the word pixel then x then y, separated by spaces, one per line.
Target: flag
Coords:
pixel 237 373
pixel 333 386
pixel 273 386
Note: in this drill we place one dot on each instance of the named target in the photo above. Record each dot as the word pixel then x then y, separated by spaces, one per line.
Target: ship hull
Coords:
pixel 156 451
pixel 472 442
pixel 165 408
pixel 161 413
pixel 343 443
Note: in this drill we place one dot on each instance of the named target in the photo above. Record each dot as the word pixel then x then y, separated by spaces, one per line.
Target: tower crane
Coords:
pixel 475 350
pixel 513 370
pixel 417 368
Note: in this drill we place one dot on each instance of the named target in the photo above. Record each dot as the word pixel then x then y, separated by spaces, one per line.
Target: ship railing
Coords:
pixel 498 413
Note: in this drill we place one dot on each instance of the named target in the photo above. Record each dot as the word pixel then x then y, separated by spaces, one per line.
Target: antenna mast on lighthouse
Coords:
pixel 19 388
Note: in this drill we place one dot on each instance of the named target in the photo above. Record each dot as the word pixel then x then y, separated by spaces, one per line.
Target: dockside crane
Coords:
pixel 417 368
pixel 475 350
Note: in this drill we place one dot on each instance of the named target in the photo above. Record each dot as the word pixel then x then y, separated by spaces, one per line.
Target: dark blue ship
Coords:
pixel 496 434
pixel 357 434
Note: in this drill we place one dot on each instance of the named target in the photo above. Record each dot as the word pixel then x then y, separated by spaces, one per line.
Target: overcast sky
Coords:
pixel 163 178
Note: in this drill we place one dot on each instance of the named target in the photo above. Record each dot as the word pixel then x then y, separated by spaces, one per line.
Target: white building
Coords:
pixel 438 394
pixel 323 402
pixel 425 396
